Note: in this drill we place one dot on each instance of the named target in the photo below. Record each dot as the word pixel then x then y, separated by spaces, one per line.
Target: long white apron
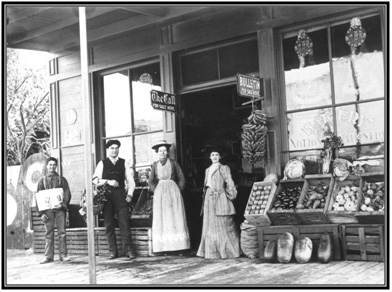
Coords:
pixel 169 227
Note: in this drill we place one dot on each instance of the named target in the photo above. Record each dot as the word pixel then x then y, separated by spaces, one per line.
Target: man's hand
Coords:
pixel 44 218
pixel 129 198
pixel 113 183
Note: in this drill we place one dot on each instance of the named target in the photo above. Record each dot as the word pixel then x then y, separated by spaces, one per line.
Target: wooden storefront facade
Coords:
pixel 194 53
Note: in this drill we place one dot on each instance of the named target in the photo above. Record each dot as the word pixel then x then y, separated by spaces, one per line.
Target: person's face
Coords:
pixel 214 156
pixel 114 150
pixel 162 153
pixel 51 166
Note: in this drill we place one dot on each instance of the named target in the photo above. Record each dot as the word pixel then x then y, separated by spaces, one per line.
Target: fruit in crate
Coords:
pixel 346 199
pixel 373 197
pixel 315 197
pixel 258 199
pixel 287 199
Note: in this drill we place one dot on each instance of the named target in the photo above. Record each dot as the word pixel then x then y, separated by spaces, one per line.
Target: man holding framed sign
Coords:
pixel 53 197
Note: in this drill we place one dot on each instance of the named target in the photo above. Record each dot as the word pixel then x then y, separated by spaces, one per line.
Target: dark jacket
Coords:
pixel 52 182
pixel 176 175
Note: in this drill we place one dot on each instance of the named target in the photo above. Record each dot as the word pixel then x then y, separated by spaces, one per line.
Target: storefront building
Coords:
pixel 310 90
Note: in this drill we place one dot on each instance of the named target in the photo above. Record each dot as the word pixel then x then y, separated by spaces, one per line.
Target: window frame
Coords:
pixel 99 110
pixel 324 23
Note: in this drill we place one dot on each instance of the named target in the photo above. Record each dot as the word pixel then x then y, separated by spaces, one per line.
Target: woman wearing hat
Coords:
pixel 220 236
pixel 169 226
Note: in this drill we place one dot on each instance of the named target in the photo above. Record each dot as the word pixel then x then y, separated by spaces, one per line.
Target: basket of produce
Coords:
pixel 313 202
pixel 282 209
pixel 372 202
pixel 344 201
pixel 142 213
pixel 258 203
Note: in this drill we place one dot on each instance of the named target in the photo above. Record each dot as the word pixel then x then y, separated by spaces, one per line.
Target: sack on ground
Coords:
pixel 249 240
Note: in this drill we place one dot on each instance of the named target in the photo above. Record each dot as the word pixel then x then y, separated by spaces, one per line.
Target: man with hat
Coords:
pixel 116 172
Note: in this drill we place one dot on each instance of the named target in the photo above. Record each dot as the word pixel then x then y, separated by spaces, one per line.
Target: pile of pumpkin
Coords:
pixel 284 248
pixel 254 133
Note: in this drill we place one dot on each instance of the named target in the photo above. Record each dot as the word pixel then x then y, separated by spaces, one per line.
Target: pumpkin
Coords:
pixel 270 251
pixel 285 247
pixel 303 250
pixel 325 249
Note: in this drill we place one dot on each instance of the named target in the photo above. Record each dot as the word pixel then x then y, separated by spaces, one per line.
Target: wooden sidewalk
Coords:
pixel 23 270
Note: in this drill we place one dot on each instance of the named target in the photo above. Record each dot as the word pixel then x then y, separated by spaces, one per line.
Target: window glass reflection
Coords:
pixel 146 118
pixel 117 104
pixel 363 123
pixel 145 156
pixel 307 129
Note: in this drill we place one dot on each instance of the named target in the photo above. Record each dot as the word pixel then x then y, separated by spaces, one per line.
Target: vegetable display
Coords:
pixel 287 199
pixel 315 197
pixel 145 208
pixel 373 197
pixel 258 199
pixel 270 251
pixel 254 137
pixel 294 169
pixel 346 199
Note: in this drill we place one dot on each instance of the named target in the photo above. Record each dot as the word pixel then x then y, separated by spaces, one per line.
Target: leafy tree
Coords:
pixel 28 110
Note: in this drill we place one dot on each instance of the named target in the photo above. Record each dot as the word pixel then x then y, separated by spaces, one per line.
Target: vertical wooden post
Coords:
pixel 87 140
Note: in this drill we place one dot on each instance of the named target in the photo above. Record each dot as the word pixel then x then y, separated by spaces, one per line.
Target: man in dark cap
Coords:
pixel 116 172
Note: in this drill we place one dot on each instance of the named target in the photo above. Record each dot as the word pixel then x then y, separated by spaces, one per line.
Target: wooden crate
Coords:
pixel 363 242
pixel 262 218
pixel 315 216
pixel 314 232
pixel 375 217
pixel 341 217
pixel 284 217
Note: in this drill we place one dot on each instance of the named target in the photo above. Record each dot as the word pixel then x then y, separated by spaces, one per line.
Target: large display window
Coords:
pixel 127 114
pixel 334 83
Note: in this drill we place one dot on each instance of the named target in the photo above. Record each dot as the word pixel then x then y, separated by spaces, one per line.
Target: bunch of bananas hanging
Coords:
pixel 253 135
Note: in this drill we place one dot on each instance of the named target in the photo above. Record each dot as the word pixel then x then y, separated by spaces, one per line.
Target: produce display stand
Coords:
pixel 262 218
pixel 373 217
pixel 315 216
pixel 314 232
pixel 341 217
pixel 363 242
pixel 284 217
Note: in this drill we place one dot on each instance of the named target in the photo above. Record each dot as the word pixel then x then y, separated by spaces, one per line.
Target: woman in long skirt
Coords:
pixel 169 225
pixel 220 236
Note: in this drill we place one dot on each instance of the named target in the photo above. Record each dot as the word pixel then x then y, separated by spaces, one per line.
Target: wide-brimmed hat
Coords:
pixel 161 143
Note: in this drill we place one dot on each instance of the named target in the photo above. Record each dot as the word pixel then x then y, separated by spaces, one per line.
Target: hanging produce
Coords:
pixel 254 137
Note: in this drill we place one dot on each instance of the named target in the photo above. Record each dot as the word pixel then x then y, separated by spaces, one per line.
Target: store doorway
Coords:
pixel 213 116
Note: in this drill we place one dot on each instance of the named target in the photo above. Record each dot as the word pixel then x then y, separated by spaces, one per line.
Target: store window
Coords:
pixel 334 83
pixel 128 114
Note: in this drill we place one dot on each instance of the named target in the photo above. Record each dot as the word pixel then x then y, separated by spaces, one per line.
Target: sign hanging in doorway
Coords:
pixel 163 101
pixel 248 86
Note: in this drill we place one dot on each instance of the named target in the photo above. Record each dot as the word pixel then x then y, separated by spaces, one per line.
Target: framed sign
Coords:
pixel 163 101
pixel 248 86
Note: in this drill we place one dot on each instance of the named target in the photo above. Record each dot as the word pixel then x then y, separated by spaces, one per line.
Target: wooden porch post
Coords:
pixel 87 141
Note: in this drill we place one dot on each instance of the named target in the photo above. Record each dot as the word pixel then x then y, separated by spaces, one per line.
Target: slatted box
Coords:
pixel 363 242
pixel 340 217
pixel 313 232
pixel 284 217
pixel 259 199
pixel 318 215
pixel 372 217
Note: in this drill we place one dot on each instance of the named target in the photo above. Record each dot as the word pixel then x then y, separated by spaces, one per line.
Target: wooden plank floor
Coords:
pixel 23 268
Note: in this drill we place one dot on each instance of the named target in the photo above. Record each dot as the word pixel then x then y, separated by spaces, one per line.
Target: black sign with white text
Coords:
pixel 163 101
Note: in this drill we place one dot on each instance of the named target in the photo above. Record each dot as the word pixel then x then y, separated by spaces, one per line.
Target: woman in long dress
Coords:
pixel 169 225
pixel 220 236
